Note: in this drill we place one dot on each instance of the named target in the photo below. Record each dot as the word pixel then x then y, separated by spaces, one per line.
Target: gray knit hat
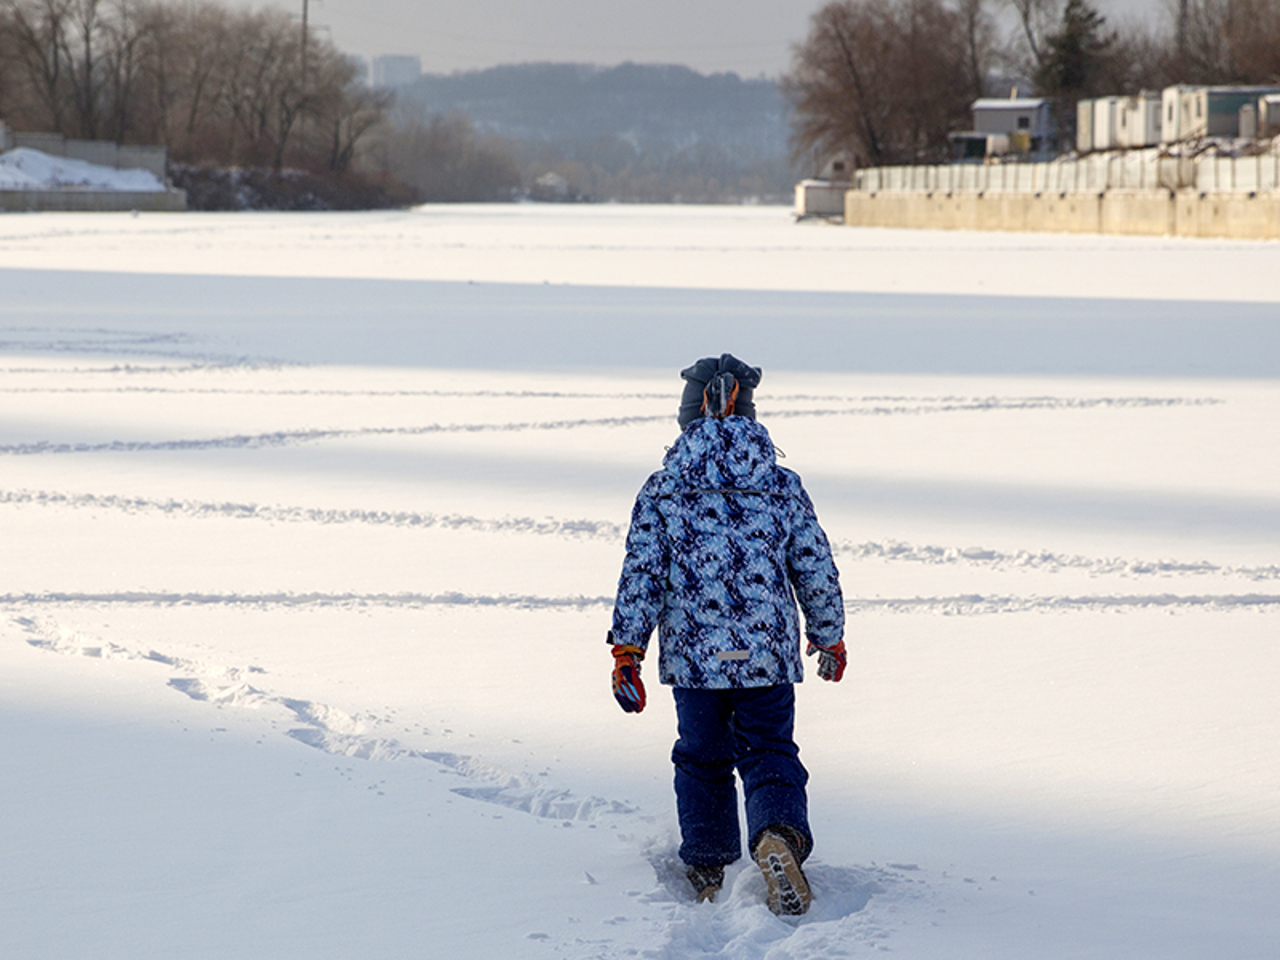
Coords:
pixel 709 389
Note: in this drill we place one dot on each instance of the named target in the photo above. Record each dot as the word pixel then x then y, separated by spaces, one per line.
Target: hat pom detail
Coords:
pixel 718 387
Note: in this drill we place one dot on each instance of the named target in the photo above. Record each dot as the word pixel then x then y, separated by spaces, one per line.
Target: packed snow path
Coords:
pixel 305 583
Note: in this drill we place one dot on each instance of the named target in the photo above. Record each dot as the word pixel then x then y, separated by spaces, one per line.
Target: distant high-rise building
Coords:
pixel 396 71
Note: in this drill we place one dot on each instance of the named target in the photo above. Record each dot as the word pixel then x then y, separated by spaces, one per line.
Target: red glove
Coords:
pixel 831 660
pixel 628 689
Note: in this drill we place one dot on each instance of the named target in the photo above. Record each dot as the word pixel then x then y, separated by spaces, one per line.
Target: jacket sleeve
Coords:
pixel 644 575
pixel 814 576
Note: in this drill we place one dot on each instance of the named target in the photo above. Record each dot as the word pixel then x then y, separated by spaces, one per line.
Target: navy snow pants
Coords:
pixel 751 730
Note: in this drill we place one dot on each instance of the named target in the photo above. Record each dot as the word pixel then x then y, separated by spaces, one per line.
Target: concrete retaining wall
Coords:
pixel 1051 213
pixel 1151 213
pixel 1243 216
pixel 87 201
pixel 1186 213
pixel 1094 173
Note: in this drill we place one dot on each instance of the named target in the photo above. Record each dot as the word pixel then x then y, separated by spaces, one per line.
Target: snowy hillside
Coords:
pixel 312 524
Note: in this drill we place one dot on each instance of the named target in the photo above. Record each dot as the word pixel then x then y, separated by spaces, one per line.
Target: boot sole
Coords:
pixel 789 894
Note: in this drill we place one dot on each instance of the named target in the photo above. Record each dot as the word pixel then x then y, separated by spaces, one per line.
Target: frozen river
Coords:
pixel 312 524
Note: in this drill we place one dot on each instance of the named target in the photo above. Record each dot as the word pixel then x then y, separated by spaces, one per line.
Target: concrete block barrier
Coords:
pixel 1154 212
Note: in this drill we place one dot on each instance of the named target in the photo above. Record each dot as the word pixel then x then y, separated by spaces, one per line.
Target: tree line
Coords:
pixel 885 81
pixel 214 85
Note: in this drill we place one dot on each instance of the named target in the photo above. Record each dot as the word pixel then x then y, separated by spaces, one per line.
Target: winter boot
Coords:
pixel 706 881
pixel 789 894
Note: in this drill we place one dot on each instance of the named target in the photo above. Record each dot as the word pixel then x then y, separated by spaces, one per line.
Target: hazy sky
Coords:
pixel 748 37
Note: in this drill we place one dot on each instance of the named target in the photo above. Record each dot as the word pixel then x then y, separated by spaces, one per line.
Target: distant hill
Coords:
pixel 626 132
pixel 648 103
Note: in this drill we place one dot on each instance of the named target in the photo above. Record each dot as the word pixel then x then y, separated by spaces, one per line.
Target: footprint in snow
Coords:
pixel 839 923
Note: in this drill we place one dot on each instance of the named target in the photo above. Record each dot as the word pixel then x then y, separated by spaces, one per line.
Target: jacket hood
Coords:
pixel 734 454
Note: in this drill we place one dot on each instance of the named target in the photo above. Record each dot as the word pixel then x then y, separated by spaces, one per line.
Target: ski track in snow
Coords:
pixel 869 405
pixel 163 346
pixel 1041 560
pixel 291 392
pixel 133 369
pixel 957 605
pixel 980 605
pixel 280 438
pixel 282 599
pixel 547 526
pixel 288 437
pixel 892 551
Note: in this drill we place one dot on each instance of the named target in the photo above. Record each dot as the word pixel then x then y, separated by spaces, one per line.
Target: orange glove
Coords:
pixel 831 660
pixel 628 689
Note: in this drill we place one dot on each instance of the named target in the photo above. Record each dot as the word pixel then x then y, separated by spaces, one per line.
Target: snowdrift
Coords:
pixel 27 169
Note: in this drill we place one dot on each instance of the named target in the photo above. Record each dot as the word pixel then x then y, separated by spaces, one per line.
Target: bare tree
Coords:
pixel 835 85
pixel 79 45
pixel 346 115
pixel 885 81
pixel 1229 41
pixel 262 85
pixel 1258 41
pixel 36 48
pixel 128 45
pixel 982 46
pixel 1037 18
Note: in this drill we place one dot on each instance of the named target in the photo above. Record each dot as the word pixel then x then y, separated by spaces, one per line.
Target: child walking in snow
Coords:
pixel 722 544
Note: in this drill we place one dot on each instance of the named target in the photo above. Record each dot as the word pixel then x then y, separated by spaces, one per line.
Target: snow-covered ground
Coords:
pixel 310 528
pixel 27 169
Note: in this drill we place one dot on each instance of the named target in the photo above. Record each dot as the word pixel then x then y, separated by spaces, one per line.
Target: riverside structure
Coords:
pixel 1146 192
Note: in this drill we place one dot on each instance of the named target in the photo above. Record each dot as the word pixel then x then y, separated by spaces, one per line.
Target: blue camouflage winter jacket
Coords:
pixel 722 543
